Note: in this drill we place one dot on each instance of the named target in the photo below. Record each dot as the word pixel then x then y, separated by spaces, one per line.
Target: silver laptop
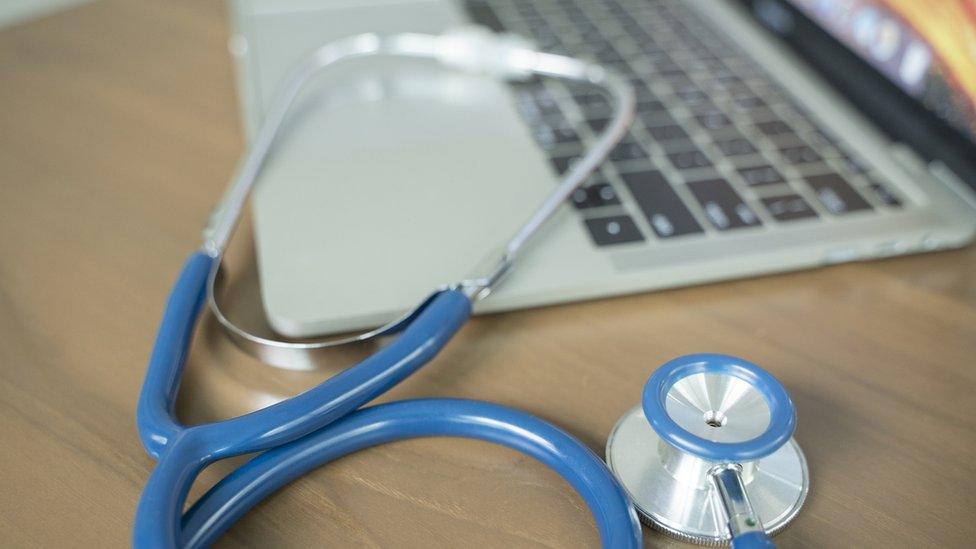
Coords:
pixel 772 135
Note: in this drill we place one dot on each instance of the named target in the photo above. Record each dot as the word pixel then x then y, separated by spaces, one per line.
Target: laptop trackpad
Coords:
pixel 392 177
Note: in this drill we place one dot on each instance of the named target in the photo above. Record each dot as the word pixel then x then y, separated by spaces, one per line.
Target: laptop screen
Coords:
pixel 926 48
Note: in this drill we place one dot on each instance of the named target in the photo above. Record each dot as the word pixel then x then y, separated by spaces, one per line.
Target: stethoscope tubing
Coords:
pixel 184 451
pixel 325 416
pixel 230 499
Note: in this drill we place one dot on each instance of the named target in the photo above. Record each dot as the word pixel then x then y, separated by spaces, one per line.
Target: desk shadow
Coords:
pixel 825 433
pixel 221 380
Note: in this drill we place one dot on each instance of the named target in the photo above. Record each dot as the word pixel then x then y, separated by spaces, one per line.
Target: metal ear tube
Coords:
pixel 708 456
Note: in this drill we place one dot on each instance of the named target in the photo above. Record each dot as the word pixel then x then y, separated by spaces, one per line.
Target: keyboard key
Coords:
pixel 656 119
pixel 800 154
pixel 722 205
pixel 774 127
pixel 690 95
pixel 528 110
pixel 628 149
pixel 664 133
pixel 706 107
pixel 665 211
pixel 562 164
pixel 650 105
pixel 747 102
pixel 723 80
pixel 736 146
pixel 598 124
pixel 594 196
pixel 788 207
pixel 596 101
pixel 608 55
pixel 678 145
pixel 549 134
pixel 713 120
pixel 621 67
pixel 533 100
pixel 550 43
pixel 885 195
pixel 666 67
pixel 546 102
pixel 854 164
pixel 617 229
pixel 822 138
pixel 836 194
pixel 761 175
pixel 643 91
pixel 544 136
pixel 484 15
pixel 650 48
pixel 563 130
pixel 689 160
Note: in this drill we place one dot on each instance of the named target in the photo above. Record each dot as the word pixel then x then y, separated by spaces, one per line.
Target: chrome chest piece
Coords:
pixel 708 457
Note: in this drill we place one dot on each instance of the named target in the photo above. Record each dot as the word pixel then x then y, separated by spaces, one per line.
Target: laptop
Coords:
pixel 771 135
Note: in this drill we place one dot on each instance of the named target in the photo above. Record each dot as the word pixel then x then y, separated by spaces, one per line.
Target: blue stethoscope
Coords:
pixel 754 422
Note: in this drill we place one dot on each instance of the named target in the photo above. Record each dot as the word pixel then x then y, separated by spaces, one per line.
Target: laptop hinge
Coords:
pixel 943 173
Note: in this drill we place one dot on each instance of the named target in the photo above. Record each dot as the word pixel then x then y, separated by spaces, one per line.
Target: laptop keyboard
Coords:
pixel 717 145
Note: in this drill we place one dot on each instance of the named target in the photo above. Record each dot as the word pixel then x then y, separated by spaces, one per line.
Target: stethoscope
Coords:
pixel 326 422
pixel 708 456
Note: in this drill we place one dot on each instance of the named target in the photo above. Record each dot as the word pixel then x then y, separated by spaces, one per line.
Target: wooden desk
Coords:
pixel 119 129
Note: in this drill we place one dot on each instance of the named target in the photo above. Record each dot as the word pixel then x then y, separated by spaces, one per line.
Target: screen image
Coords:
pixel 926 47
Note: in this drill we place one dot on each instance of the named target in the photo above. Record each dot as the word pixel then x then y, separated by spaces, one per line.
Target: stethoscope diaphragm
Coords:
pixel 700 415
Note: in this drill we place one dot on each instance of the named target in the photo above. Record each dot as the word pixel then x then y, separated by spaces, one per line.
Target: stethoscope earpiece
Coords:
pixel 708 456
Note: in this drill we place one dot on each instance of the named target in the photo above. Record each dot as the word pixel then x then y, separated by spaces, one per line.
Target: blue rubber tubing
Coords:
pixel 323 423
pixel 615 518
pixel 782 413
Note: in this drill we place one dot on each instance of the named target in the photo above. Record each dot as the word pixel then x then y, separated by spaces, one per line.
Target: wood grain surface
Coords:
pixel 118 130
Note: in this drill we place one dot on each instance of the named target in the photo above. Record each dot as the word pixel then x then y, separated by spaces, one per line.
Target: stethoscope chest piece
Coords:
pixel 709 453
